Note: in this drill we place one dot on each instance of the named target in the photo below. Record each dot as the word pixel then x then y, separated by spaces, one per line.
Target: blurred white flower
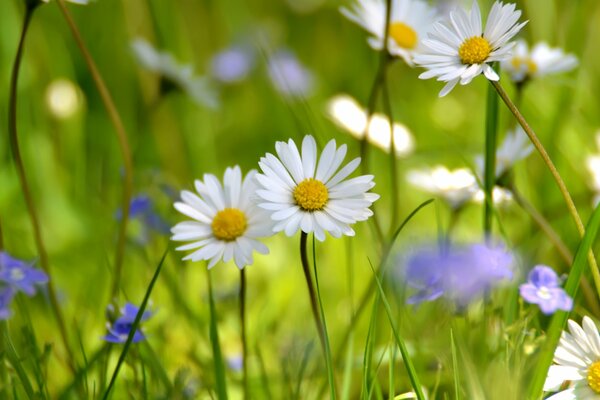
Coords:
pixel 289 76
pixel 458 48
pixel 81 2
pixel 577 359
pixel 232 64
pixel 350 116
pixel 198 88
pixel 499 194
pixel 541 60
pixel 409 22
pixel 63 98
pixel 455 187
pixel 593 166
pixel 515 147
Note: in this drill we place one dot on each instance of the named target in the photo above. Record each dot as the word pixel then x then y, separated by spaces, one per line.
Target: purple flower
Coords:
pixel 6 295
pixel 460 274
pixel 20 275
pixel 289 76
pixel 120 328
pixel 142 209
pixel 232 65
pixel 542 288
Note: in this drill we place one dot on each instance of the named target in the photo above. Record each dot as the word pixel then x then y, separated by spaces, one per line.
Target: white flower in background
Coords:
pixel 593 166
pixel 232 64
pixel 289 76
pixel 226 221
pixel 81 2
pixel 515 147
pixel 182 75
pixel 455 187
pixel 350 116
pixel 308 192
pixel 64 98
pixel 500 196
pixel 458 49
pixel 577 359
pixel 409 22
pixel 542 60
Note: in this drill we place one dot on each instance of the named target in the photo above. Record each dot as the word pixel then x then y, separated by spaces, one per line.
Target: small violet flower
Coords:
pixel 142 209
pixel 120 328
pixel 20 275
pixel 232 64
pixel 6 295
pixel 289 77
pixel 542 288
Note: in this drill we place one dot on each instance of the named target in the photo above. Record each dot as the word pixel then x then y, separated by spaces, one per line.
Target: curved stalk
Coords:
pixel 35 221
pixel 115 119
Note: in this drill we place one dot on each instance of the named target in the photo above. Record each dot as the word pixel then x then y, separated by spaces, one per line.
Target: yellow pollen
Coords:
pixel 229 224
pixel 474 50
pixel 403 35
pixel 311 195
pixel 593 376
pixel 528 63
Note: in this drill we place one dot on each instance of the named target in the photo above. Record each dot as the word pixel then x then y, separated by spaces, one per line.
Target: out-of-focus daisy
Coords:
pixel 515 147
pixel 289 77
pixel 456 187
pixel 543 288
pixel 232 64
pixel 577 359
pixel 593 165
pixel 226 221
pixel 81 2
pixel 119 330
pixel 307 192
pixel 458 49
pixel 182 76
pixel 350 116
pixel 409 22
pixel 500 196
pixel 541 60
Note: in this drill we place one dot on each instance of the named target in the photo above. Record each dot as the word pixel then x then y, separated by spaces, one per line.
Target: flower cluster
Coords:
pixel 17 276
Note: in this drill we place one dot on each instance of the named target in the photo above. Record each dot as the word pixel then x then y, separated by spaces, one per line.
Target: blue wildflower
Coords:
pixel 543 288
pixel 289 76
pixel 232 64
pixel 120 328
pixel 460 274
pixel 142 209
pixel 20 275
pixel 6 295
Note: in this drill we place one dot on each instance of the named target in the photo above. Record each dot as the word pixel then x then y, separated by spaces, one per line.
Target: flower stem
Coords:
pixel 243 324
pixel 561 184
pixel 115 118
pixel 35 222
pixel 311 291
pixel 491 131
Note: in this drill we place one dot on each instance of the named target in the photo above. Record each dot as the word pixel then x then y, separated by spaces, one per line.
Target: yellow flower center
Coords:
pixel 403 35
pixel 593 376
pixel 229 224
pixel 474 50
pixel 311 195
pixel 520 62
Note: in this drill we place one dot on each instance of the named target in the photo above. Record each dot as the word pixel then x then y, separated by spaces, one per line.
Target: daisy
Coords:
pixel 312 196
pixel 577 359
pixel 542 60
pixel 409 22
pixel 515 147
pixel 456 187
pixel 458 48
pixel 226 222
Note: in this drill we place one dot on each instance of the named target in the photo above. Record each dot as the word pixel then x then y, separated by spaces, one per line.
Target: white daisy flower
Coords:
pixel 540 61
pixel 577 359
pixel 456 187
pixel 198 88
pixel 226 221
pixel 459 49
pixel 409 22
pixel 302 193
pixel 515 147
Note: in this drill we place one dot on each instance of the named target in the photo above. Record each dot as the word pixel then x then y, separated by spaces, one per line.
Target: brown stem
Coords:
pixel 123 144
pixel 35 222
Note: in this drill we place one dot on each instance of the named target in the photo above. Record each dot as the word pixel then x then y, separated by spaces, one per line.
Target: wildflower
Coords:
pixel 515 147
pixel 460 274
pixel 6 295
pixel 542 60
pixel 409 22
pixel 20 275
pixel 141 209
pixel 181 75
pixel 232 64
pixel 577 359
pixel 119 330
pixel 542 288
pixel 289 76
pixel 226 221
pixel 456 187
pixel 350 116
pixel 314 197
pixel 593 166
pixel 458 49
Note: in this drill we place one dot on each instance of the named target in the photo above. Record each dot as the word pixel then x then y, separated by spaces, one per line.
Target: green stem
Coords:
pixel 243 324
pixel 35 222
pixel 115 118
pixel 558 179
pixel 491 128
